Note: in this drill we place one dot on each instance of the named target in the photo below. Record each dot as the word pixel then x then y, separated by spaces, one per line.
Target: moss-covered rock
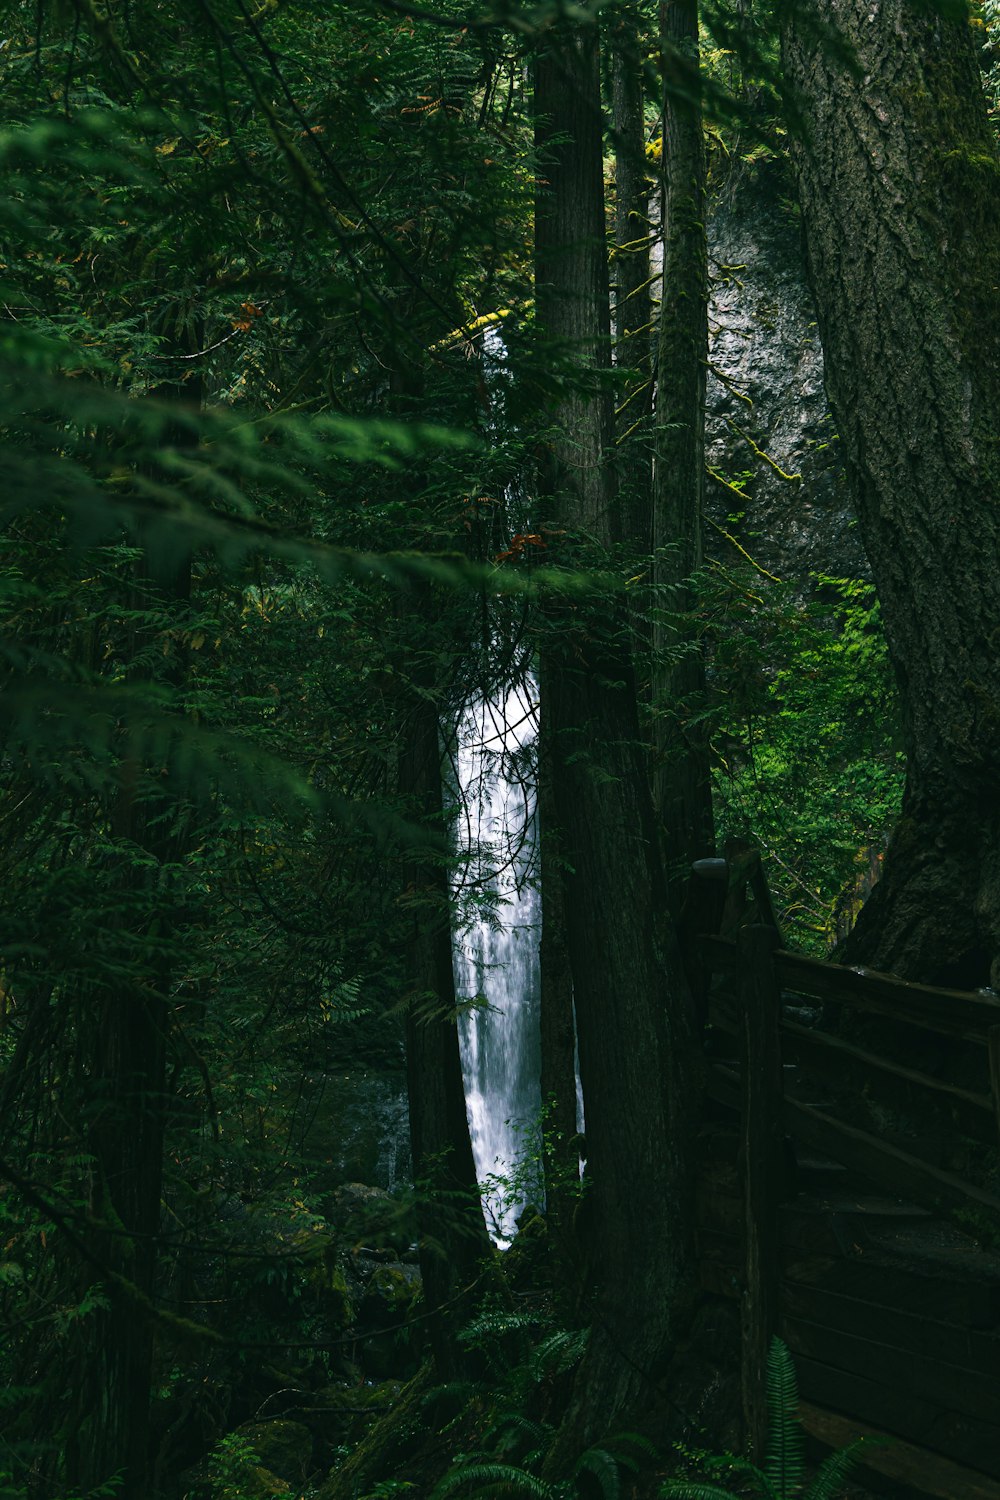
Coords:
pixel 386 1339
pixel 392 1438
pixel 285 1449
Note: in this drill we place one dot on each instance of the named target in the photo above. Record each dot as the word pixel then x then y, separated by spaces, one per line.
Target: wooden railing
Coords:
pixel 746 983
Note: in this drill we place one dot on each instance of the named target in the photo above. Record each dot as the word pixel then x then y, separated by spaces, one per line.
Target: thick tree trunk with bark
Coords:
pixel 632 1007
pixel 681 782
pixel 900 194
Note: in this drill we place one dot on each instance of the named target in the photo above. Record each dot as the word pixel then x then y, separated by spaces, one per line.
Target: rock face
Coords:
pixel 765 396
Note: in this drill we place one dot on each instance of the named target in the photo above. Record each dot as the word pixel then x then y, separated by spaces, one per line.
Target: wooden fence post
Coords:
pixel 993 1047
pixel 762 1162
pixel 701 915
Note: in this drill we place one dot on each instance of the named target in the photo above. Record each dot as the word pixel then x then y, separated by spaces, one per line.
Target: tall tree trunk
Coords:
pixel 632 1008
pixel 455 1249
pixel 129 1075
pixel 900 192
pixel 454 1246
pixel 131 1034
pixel 561 1146
pixel 633 304
pixel 681 782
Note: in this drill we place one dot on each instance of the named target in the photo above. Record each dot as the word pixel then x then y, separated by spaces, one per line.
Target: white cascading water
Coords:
pixel 496 952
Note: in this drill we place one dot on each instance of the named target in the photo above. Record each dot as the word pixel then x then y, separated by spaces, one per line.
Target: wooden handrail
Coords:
pixel 954 1013
pixel 753 976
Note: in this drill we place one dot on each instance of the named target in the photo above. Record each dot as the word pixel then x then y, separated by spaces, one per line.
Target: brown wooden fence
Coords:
pixel 891 1308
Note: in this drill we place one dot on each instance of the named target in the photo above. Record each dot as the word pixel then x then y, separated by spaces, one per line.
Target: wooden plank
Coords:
pixel 939 1292
pixel 907 1332
pixel 722 1014
pixel 722 1085
pixel 956 1013
pixel 766 911
pixel 892 1168
pixel 810 1229
pixel 920 1377
pixel 949 1012
pixel 958 1437
pixel 845 1223
pixel 802 1236
pixel 741 862
pixel 720 955
pixel 911 1470
pixel 762 1153
pixel 972 1113
pixel 719 1280
pixel 993 1052
pixel 700 914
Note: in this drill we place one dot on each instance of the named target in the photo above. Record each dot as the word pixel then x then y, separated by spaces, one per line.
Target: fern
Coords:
pixel 692 1489
pixel 560 1352
pixel 620 1444
pixel 599 1463
pixel 784 1463
pixel 494 1322
pixel 837 1468
pixel 488 1479
pixel 511 1430
pixel 782 1476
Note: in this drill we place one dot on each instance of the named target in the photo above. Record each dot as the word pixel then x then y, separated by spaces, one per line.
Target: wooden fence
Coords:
pixel 892 1313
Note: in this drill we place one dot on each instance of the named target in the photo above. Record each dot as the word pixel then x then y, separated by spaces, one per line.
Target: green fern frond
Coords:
pixel 629 1449
pixel 733 1466
pixel 452 1390
pixel 494 1322
pixel 559 1352
pixel 784 1463
pixel 599 1463
pixel 511 1428
pixel 836 1469
pixel 484 1480
pixel 692 1489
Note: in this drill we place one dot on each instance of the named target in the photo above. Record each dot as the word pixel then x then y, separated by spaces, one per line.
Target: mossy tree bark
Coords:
pixel 900 193
pixel 682 788
pixel 632 1008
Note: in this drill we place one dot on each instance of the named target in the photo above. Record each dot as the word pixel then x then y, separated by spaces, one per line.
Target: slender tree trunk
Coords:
pixel 633 304
pixel 900 192
pixel 558 1032
pixel 454 1246
pixel 128 1147
pixel 455 1249
pixel 631 1004
pixel 129 1074
pixel 682 788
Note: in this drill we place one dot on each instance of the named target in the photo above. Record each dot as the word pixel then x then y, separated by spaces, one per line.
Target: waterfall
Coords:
pixel 496 947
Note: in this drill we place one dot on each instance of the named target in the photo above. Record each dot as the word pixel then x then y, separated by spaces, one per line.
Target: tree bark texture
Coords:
pixel 633 304
pixel 558 1033
pixel 454 1246
pixel 632 1008
pixel 681 781
pixel 900 194
pixel 129 1077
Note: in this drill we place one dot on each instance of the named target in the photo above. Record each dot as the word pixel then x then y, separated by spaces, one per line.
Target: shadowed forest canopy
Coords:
pixel 361 364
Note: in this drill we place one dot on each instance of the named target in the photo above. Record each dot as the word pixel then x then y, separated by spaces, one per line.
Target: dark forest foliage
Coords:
pixel 274 409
